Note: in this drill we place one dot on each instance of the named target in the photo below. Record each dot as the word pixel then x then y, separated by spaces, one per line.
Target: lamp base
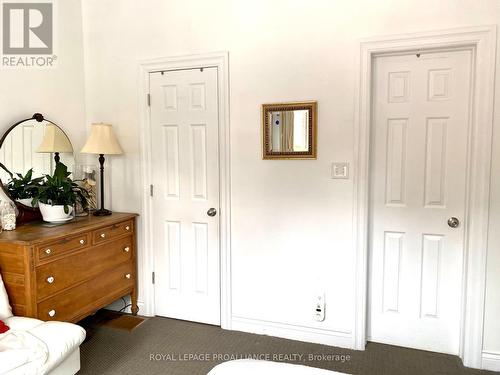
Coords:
pixel 102 212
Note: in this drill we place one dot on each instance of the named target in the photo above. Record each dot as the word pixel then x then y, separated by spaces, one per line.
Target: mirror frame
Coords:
pixel 312 108
pixel 26 213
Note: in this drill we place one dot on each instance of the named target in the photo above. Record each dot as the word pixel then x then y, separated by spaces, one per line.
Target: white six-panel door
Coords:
pixel 419 143
pixel 185 175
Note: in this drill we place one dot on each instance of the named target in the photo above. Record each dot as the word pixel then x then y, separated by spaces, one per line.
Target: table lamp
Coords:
pixel 102 141
pixel 54 141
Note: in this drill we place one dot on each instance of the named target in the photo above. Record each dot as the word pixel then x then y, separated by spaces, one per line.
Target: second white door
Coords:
pixel 418 191
pixel 185 175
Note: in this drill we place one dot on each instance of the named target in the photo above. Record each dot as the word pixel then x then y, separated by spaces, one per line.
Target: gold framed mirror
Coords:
pixel 289 130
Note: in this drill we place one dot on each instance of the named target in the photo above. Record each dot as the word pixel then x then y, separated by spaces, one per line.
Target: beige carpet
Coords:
pixel 172 347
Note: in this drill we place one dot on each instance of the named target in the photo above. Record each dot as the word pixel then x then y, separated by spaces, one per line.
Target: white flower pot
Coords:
pixel 55 214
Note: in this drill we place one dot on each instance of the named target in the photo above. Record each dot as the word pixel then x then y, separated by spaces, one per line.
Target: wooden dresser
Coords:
pixel 66 272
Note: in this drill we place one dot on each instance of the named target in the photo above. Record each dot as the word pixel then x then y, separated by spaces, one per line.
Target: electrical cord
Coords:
pixel 125 307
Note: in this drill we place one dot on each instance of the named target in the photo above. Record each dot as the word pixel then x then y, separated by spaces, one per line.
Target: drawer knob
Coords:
pixel 127 227
pixel 50 279
pixel 52 313
pixel 128 276
pixel 103 235
pixel 82 242
pixel 48 251
pixel 126 249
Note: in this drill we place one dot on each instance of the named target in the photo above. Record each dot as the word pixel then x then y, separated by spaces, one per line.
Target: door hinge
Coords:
pixel 153 277
pixel 148 98
pixel 151 190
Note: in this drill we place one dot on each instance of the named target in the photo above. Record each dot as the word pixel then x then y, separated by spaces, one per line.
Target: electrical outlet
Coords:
pixel 319 308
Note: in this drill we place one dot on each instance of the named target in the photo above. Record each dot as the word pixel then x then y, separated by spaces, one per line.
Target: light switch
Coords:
pixel 340 170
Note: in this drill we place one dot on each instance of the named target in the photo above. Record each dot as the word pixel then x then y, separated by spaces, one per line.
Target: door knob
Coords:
pixel 212 212
pixel 453 222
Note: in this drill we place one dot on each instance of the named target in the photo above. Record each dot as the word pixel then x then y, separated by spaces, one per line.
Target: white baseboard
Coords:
pixel 292 332
pixel 491 361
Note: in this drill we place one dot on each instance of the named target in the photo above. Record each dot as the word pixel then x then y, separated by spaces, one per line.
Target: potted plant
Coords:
pixel 57 195
pixel 22 188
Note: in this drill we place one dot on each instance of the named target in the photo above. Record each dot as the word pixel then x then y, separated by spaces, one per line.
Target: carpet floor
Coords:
pixel 175 347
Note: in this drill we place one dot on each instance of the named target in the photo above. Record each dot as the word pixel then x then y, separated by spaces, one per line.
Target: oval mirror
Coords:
pixel 35 145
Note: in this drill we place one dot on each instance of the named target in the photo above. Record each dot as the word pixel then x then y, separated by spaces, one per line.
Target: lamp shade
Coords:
pixel 54 140
pixel 102 140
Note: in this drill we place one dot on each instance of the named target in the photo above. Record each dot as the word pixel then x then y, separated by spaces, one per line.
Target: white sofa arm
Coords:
pixel 61 340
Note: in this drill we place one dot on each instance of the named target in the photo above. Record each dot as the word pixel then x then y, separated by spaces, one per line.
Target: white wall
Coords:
pixel 57 93
pixel 292 232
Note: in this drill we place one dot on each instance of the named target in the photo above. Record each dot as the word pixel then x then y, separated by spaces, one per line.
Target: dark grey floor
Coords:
pixel 111 351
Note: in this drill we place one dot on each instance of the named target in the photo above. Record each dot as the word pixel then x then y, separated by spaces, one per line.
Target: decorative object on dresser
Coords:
pixel 67 272
pixel 87 176
pixel 289 130
pixel 102 141
pixel 25 147
pixel 7 216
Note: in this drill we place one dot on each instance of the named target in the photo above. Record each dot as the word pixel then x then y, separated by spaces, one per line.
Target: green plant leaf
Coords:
pixel 59 189
pixel 6 170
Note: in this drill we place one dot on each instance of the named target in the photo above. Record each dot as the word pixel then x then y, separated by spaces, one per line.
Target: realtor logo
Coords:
pixel 28 34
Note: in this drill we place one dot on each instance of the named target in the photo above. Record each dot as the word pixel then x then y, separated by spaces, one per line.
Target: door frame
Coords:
pixel 482 42
pixel 219 60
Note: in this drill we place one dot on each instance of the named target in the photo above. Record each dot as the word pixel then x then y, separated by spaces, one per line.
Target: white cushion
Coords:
pixel 61 340
pixel 20 323
pixel 252 367
pixel 5 310
pixel 21 353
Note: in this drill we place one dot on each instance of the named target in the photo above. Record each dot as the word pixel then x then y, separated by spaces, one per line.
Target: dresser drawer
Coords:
pixel 89 296
pixel 62 273
pixel 52 249
pixel 107 233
